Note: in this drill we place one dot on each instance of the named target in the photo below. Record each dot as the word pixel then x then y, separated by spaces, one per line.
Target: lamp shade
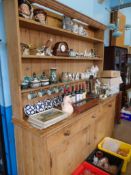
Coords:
pixel 116 34
pixel 128 26
pixel 111 26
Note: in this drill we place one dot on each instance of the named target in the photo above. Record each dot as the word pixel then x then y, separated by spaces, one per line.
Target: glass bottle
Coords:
pixel 73 97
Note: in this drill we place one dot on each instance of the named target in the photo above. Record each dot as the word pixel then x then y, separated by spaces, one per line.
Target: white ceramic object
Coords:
pixel 67 105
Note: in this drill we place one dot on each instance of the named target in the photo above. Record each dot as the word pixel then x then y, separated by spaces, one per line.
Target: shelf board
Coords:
pixel 61 58
pixel 50 86
pixel 30 24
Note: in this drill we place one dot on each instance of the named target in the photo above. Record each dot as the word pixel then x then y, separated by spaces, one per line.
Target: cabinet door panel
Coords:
pixel 70 153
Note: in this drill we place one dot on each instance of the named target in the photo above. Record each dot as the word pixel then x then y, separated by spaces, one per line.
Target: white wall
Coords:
pixel 94 10
pixel 127 13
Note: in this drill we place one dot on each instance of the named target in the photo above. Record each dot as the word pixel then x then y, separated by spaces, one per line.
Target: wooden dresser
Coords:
pixel 59 149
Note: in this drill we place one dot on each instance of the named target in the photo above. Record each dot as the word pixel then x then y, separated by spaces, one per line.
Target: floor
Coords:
pixel 123 132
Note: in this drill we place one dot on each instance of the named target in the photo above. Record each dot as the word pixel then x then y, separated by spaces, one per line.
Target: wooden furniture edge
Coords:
pixel 68 11
pixel 73 118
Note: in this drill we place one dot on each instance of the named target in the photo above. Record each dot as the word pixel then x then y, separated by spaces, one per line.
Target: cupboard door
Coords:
pixel 110 118
pixel 70 153
pixel 100 128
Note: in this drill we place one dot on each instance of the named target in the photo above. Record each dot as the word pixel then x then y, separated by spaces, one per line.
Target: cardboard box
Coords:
pixel 110 74
pixel 111 81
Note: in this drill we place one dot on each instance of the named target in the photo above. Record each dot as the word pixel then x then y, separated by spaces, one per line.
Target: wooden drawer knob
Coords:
pixel 110 105
pixel 93 116
pixel 67 133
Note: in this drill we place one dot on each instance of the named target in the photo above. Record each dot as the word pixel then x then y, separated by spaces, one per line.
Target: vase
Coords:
pixel 53 76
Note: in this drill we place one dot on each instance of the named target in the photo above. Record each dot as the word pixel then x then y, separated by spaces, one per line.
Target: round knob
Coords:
pixel 67 133
pixel 109 105
pixel 93 116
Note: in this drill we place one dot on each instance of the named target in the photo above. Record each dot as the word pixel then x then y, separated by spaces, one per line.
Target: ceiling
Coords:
pixel 120 4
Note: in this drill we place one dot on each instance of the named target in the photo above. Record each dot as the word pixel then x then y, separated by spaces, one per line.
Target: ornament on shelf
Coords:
pixel 25 49
pixel 67 105
pixel 25 9
pixel 40 15
pixel 35 82
pixel 61 49
pixel 67 23
pixel 53 76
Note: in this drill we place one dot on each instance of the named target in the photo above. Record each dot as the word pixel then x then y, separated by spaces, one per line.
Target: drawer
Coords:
pixel 83 121
pixel 108 105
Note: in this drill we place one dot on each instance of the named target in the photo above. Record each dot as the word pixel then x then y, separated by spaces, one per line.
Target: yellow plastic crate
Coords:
pixel 122 146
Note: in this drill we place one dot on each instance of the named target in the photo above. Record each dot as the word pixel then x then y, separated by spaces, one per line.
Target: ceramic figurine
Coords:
pixel 48 51
pixel 72 53
pixel 53 76
pixel 25 83
pixel 69 76
pixel 44 80
pixel 40 15
pixel 75 28
pixel 42 93
pixel 67 23
pixel 31 95
pixel 49 91
pixel 61 89
pixel 25 49
pixel 35 82
pixel 40 51
pixel 64 77
pixel 67 105
pixel 81 30
pixel 25 9
pixel 77 76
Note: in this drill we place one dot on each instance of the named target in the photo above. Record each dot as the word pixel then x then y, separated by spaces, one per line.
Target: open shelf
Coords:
pixel 52 85
pixel 61 58
pixel 33 25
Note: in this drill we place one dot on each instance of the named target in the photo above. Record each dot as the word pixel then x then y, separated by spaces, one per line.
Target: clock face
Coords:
pixel 63 48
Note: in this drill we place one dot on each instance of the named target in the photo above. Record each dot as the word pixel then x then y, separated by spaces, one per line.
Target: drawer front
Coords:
pixel 109 105
pixel 84 120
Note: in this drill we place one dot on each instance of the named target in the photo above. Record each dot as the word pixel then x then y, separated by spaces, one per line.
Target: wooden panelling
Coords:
pixel 13 40
pixel 57 6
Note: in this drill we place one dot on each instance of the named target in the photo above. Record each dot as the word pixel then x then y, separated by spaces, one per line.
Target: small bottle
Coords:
pixel 80 93
pixel 77 95
pixel 83 92
pixel 73 97
pixel 69 92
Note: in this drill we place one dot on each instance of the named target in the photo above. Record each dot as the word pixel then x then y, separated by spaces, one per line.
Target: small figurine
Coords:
pixel 40 51
pixel 67 105
pixel 25 49
pixel 40 15
pixel 47 48
pixel 75 28
pixel 35 81
pixel 53 76
pixel 67 23
pixel 25 9
pixel 44 80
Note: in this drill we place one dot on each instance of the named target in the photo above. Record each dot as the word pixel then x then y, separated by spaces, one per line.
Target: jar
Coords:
pixel 44 80
pixel 64 77
pixel 81 30
pixel 53 76
pixel 40 15
pixel 75 28
pixel 72 53
pixel 35 82
pixel 25 9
